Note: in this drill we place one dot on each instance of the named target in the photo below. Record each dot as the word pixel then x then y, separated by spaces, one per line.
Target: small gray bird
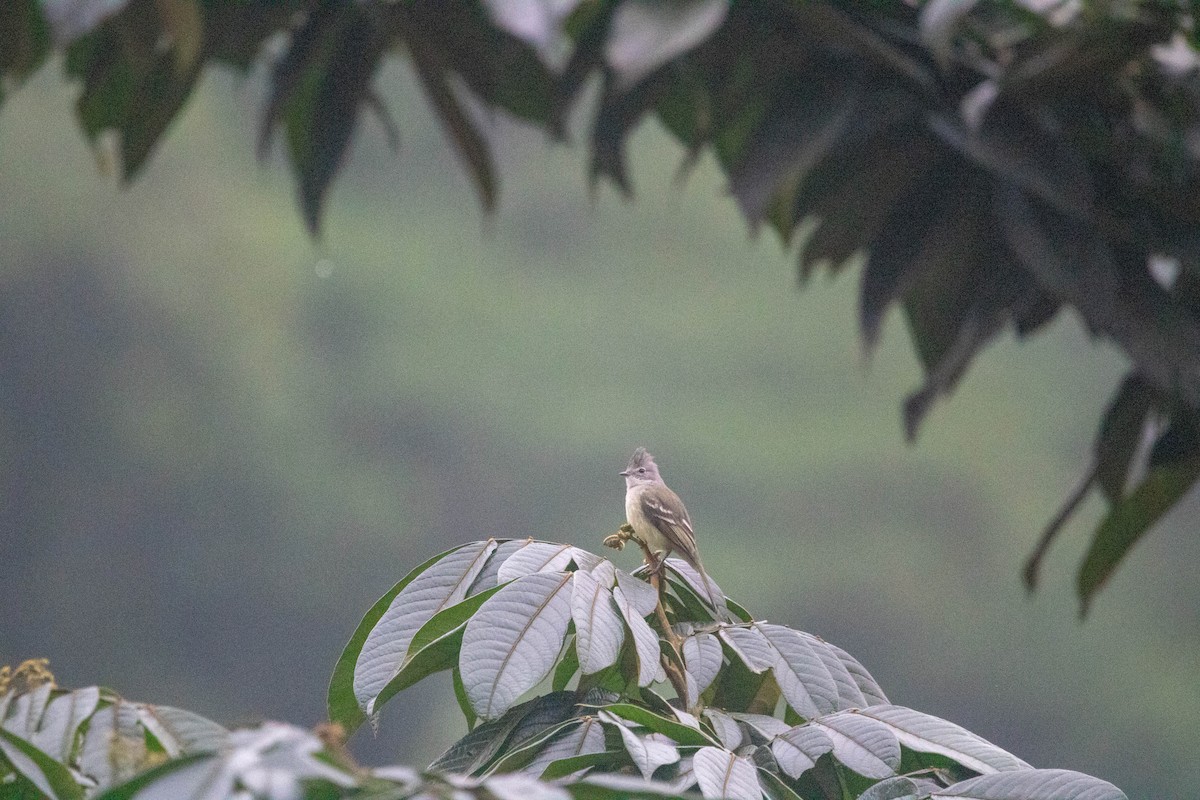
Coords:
pixel 659 518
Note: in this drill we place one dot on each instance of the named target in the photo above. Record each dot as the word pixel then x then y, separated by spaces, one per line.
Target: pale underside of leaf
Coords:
pixel 441 585
pixel 535 557
pixel 803 678
pixel 721 774
pixel 1032 784
pixel 864 745
pixel 599 631
pixel 929 734
pixel 512 642
pixel 645 640
pixel 649 752
pixel 702 658
pixel 798 749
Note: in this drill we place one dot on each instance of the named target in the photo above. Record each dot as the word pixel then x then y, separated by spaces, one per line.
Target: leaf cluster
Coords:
pixel 995 164
pixel 561 665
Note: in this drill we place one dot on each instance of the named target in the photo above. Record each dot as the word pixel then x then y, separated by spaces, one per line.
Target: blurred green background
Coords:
pixel 220 442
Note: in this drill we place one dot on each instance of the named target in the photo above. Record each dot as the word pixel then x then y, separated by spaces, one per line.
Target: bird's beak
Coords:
pixel 624 473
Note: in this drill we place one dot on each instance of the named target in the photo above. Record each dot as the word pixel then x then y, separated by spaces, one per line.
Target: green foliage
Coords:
pixel 828 733
pixel 995 164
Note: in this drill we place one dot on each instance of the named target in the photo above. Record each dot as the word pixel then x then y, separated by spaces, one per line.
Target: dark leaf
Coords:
pixel 1174 468
pixel 501 70
pixel 322 112
pixel 795 134
pixel 898 252
pixel 1120 433
pixel 433 69
pixel 24 42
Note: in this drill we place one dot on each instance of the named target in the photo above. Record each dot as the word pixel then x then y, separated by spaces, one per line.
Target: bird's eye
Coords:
pixel 642 470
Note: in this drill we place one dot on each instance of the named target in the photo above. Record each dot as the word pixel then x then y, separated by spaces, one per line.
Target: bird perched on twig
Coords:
pixel 659 518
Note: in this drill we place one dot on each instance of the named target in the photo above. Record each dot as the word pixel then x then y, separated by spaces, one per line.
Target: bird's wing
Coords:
pixel 672 521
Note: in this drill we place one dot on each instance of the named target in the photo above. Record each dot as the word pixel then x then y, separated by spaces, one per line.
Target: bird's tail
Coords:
pixel 720 609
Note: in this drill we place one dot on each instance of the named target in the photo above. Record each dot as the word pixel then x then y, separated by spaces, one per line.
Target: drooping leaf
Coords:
pixel 381 642
pixel 512 642
pixel 774 787
pixel 24 42
pixel 1120 433
pixel 1129 520
pixel 792 138
pixel 802 677
pixel 862 744
pixel 523 787
pixel 538 22
pixel 797 749
pixel 929 734
pixel 273 761
pixel 114 746
pixel 703 587
pixel 489 576
pixel 721 774
pixel 322 114
pixel 894 255
pixel 1032 784
pixel 599 631
pixel 568 665
pixel 645 34
pixel 434 73
pixel 71 19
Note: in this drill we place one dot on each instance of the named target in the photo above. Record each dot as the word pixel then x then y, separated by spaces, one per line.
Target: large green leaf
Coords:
pixel 514 639
pixel 1032 784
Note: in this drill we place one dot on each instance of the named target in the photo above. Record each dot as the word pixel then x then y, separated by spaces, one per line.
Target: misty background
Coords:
pixel 221 441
